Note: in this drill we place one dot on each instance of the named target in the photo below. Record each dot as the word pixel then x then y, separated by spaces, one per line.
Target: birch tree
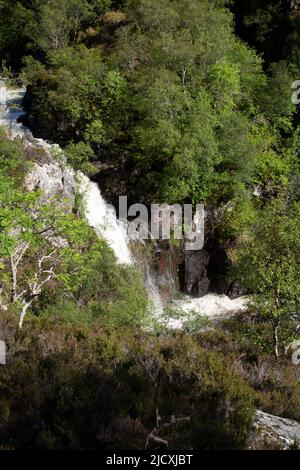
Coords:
pixel 38 238
pixel 267 263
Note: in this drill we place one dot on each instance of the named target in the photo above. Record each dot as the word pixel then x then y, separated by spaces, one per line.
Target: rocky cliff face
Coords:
pixel 48 174
pixel 196 276
pixel 196 273
pixel 52 178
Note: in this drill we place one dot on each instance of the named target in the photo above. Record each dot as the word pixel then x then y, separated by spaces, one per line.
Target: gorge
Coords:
pixel 50 178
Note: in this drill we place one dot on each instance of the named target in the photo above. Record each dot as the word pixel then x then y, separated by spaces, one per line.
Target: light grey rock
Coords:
pixel 2 352
pixel 55 180
pixel 272 431
pixel 52 179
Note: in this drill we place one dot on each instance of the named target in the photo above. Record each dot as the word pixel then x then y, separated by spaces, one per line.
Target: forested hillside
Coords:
pixel 164 101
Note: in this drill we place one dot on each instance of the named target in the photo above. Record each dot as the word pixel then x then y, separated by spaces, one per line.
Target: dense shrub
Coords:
pixel 96 388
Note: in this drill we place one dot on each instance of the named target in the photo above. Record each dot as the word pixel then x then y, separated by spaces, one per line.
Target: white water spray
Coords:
pixel 213 305
pixel 11 110
pixel 153 293
pixel 102 217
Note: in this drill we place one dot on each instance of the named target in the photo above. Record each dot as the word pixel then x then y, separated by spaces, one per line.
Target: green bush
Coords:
pixel 93 388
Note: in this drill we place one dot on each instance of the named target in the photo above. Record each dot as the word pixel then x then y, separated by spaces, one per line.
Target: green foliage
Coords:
pixel 79 156
pixel 85 276
pixel 197 119
pixel 59 23
pixel 186 110
pixel 267 262
pixel 64 375
pixel 78 98
pixel 100 289
pixel 275 101
pixel 11 156
pixel 264 24
pixel 42 26
pixel 189 129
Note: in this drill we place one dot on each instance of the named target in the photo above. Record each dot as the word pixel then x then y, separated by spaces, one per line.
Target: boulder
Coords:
pixel 196 280
pixel 274 432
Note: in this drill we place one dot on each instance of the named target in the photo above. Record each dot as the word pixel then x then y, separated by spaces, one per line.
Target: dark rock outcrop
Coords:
pixel 196 279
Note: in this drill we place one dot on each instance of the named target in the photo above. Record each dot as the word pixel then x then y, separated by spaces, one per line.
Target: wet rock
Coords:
pixel 196 279
pixel 235 291
pixel 168 265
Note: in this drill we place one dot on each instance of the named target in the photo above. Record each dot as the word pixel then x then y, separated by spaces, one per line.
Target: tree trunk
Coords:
pixel 23 313
pixel 14 279
pixel 275 339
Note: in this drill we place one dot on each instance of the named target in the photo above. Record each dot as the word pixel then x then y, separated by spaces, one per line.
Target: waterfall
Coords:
pixel 11 110
pixel 99 215
pixel 102 217
pixel 2 93
pixel 152 288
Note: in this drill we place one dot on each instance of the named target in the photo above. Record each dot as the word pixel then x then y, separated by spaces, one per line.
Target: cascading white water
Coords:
pixel 100 215
pixel 153 293
pixel 2 93
pixel 213 305
pixel 11 111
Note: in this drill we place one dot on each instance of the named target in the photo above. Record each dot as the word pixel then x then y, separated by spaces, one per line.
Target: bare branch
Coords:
pixel 154 437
